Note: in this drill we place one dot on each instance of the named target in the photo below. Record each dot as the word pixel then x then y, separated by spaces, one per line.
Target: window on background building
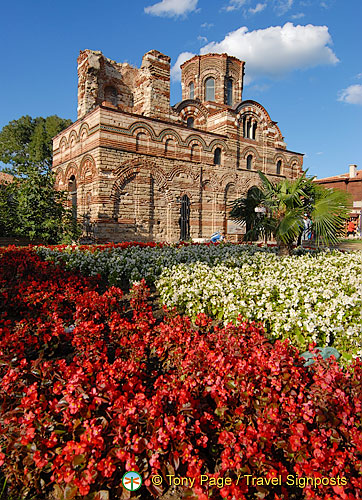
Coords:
pixel 229 92
pixel 191 90
pixel 217 156
pixel 249 162
pixel 190 122
pixel 279 167
pixel 210 89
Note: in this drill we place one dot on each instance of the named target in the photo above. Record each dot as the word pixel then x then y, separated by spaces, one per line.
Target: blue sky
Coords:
pixel 303 59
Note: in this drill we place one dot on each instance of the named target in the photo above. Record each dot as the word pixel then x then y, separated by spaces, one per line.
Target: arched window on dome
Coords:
pixel 229 92
pixel 191 90
pixel 254 131
pixel 217 156
pixel 210 89
pixel 249 162
pixel 279 167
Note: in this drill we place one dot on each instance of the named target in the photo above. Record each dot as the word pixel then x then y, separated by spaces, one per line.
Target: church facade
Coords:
pixel 140 169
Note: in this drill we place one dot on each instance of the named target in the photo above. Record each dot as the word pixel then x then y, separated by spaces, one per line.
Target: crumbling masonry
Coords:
pixel 144 170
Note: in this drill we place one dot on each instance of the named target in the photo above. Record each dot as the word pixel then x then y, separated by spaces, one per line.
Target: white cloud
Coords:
pixel 175 70
pixel 207 25
pixel 202 39
pixel 298 16
pixel 280 6
pixel 235 5
pixel 352 94
pixel 172 8
pixel 258 8
pixel 275 51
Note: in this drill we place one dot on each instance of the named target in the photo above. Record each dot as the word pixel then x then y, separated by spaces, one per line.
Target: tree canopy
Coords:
pixel 282 209
pixel 29 205
pixel 26 143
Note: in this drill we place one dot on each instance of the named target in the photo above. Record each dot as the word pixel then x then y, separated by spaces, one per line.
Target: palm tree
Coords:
pixel 280 209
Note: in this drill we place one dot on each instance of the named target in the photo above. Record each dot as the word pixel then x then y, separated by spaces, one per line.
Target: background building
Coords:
pixel 350 182
pixel 143 170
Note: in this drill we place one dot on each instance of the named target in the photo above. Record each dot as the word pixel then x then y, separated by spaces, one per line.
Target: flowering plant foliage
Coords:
pixel 310 298
pixel 88 392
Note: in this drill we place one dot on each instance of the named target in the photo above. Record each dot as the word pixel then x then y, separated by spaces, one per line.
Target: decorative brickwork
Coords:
pixel 141 166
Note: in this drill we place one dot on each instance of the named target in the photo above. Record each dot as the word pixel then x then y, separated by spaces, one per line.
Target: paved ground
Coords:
pixel 350 246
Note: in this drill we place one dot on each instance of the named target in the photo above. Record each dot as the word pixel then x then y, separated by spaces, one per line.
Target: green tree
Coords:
pixel 30 206
pixel 280 209
pixel 26 143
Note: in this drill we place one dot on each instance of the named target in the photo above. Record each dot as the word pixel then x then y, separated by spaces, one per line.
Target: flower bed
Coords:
pixel 125 263
pixel 80 406
pixel 307 298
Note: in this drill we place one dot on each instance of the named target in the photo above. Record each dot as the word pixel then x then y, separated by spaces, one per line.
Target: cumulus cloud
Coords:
pixel 258 8
pixel 172 8
pixel 176 70
pixel 274 51
pixel 352 94
pixel 207 25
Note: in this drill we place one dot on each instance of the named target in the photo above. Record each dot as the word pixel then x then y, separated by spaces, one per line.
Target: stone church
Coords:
pixel 140 169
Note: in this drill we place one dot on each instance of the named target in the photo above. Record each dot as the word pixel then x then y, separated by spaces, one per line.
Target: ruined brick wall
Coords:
pixel 132 172
pixel 130 159
pixel 143 91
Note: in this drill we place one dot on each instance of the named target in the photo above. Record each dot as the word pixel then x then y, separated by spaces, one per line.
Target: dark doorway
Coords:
pixel 185 218
pixel 72 188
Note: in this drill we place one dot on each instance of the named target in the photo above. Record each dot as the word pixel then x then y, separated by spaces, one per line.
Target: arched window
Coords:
pixel 195 152
pixel 210 89
pixel 254 131
pixel 229 92
pixel 141 141
pixel 170 147
pixel 249 162
pixel 110 95
pixel 191 90
pixel 190 122
pixel 217 156
pixel 279 167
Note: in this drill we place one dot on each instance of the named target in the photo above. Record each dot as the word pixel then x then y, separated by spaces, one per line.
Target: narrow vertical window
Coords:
pixel 279 167
pixel 229 92
pixel 249 162
pixel 217 156
pixel 210 89
pixel 191 90
pixel 254 130
pixel 190 122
